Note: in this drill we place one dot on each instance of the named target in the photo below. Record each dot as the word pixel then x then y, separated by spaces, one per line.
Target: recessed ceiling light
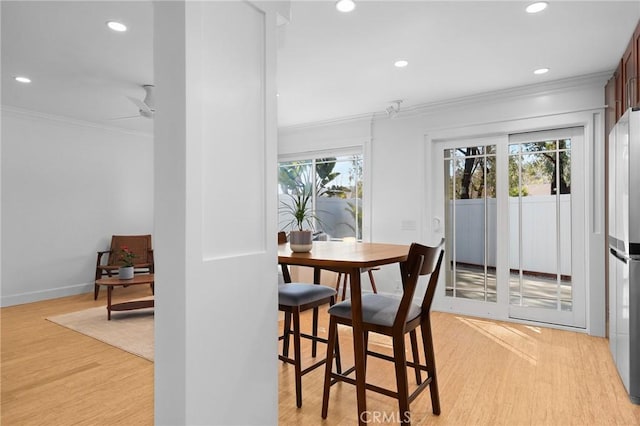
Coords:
pixel 541 71
pixel 537 7
pixel 22 79
pixel 117 26
pixel 401 63
pixel 345 5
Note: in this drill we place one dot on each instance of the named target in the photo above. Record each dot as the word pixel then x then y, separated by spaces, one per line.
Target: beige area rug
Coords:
pixel 131 331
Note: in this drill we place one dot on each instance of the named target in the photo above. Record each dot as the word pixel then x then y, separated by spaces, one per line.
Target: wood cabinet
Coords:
pixel 619 76
pixel 630 68
pixel 611 101
pixel 623 89
pixel 636 54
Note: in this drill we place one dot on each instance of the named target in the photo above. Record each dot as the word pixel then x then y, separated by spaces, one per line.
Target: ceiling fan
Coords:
pixel 146 107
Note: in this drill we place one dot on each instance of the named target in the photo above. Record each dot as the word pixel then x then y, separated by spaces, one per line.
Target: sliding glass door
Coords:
pixel 513 215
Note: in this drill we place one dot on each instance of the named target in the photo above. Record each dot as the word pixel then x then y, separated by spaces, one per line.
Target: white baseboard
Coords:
pixel 52 293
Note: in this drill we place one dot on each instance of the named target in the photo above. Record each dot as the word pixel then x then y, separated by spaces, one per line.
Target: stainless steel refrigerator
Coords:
pixel 624 250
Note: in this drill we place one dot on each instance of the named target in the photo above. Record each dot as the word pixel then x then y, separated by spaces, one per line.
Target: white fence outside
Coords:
pixel 539 247
pixel 335 214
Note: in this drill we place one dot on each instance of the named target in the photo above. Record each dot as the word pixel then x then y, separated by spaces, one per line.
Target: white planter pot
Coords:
pixel 125 272
pixel 301 241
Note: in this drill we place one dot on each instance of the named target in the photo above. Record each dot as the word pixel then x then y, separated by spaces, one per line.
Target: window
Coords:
pixel 335 187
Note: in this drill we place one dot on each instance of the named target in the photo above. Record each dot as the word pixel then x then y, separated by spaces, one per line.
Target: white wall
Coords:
pixel 336 135
pixel 401 166
pixel 67 186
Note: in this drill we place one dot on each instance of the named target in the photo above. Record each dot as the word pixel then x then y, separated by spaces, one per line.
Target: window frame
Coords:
pixel 361 150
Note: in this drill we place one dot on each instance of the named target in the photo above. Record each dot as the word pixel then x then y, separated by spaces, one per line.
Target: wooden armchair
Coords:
pixel 108 265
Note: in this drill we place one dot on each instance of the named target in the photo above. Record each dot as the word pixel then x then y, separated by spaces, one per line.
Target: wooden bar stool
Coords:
pixel 395 317
pixel 294 298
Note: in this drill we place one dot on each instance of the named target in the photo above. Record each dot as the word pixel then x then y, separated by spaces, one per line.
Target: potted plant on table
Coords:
pixel 125 271
pixel 301 213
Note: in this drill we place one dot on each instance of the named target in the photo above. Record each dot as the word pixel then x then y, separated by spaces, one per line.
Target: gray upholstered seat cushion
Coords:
pixel 376 309
pixel 296 294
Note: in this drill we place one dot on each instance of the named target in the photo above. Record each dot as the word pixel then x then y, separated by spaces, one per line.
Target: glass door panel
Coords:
pixel 541 284
pixel 470 182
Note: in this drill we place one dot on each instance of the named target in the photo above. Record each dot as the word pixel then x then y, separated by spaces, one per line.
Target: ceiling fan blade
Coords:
pixel 141 105
pixel 124 118
pixel 149 99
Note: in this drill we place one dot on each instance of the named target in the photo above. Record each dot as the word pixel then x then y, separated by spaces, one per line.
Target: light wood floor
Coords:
pixel 54 376
pixel 490 373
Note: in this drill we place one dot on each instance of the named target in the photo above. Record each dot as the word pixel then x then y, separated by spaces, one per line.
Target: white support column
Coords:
pixel 215 213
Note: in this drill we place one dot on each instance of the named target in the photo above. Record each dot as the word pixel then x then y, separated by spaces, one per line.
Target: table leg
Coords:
pixel 109 290
pixel 314 344
pixel 358 346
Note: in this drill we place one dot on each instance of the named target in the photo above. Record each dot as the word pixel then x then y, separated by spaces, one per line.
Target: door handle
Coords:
pixel 617 256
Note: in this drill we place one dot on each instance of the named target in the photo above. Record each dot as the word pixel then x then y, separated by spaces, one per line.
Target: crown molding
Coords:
pixel 21 112
pixel 545 88
pixel 330 122
pixel 548 87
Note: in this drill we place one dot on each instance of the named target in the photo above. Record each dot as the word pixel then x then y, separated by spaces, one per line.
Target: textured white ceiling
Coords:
pixel 330 65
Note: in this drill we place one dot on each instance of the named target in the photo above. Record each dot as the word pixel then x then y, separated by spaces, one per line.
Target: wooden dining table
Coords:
pixel 348 258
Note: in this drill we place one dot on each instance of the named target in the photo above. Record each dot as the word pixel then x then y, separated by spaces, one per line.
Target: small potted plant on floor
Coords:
pixel 301 213
pixel 125 271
